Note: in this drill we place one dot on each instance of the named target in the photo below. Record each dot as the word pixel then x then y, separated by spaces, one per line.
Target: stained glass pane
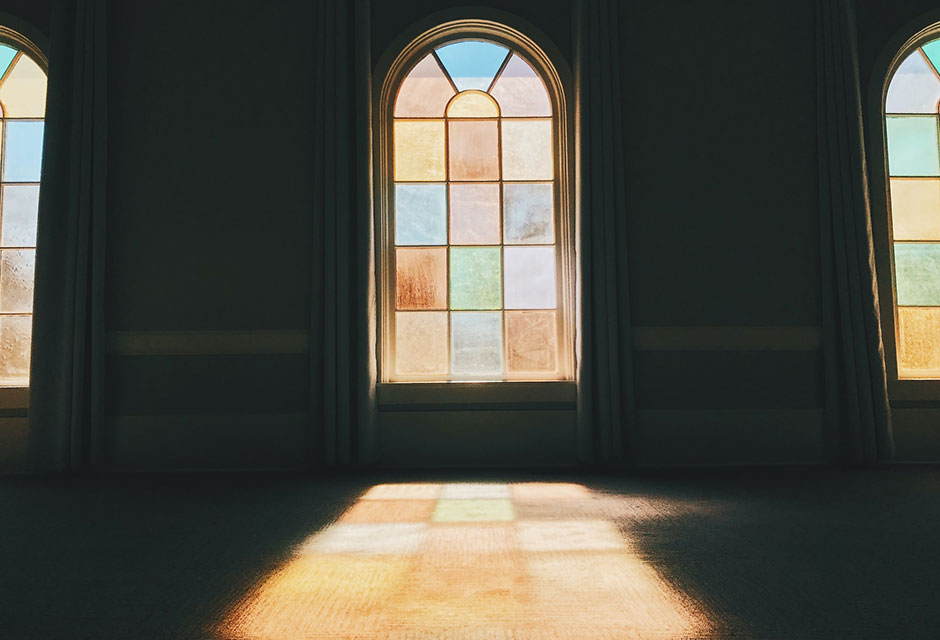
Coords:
pixel 520 91
pixel 472 64
pixel 420 214
pixel 531 343
pixel 932 50
pixel 15 334
pixel 23 93
pixel 915 87
pixel 23 152
pixel 527 149
pixel 472 105
pixel 6 57
pixel 530 277
pixel 475 278
pixel 917 267
pixel 915 208
pixel 421 278
pixel 421 342
pixel 912 146
pixel 918 340
pixel 474 213
pixel 527 211
pixel 424 92
pixel 419 150
pixel 16 280
pixel 473 150
pixel 476 343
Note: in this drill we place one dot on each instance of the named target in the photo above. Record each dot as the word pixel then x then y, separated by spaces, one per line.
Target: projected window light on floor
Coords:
pixel 474 213
pixel 22 112
pixel 467 561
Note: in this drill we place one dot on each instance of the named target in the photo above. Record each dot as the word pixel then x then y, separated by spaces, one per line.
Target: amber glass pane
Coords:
pixel 419 150
pixel 425 91
pixel 474 213
pixel 472 104
pixel 15 334
pixel 23 93
pixel 16 280
pixel 527 150
pixel 421 278
pixel 915 209
pixel 520 91
pixel 473 150
pixel 531 344
pixel 918 341
pixel 421 342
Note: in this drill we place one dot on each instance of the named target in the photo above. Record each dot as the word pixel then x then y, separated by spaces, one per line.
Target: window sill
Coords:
pixel 919 391
pixel 477 396
pixel 15 400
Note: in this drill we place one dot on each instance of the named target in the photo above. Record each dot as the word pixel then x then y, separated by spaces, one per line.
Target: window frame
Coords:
pixel 562 112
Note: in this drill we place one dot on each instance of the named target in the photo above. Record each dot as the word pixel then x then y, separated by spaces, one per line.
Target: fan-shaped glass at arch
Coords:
pixel 474 201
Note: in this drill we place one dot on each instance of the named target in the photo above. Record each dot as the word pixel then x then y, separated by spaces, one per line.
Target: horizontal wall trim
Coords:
pixel 727 338
pixel 164 343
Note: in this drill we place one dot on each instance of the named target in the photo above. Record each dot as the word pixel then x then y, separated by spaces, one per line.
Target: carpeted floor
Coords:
pixel 788 554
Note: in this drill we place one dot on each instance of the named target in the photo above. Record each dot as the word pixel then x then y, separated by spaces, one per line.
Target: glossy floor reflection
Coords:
pixel 470 560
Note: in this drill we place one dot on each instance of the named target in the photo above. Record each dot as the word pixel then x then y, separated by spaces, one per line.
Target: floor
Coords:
pixel 787 553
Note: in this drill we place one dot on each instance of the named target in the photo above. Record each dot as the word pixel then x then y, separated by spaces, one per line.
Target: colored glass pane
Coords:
pixel 421 343
pixel 912 146
pixel 475 278
pixel 15 332
pixel 22 160
pixel 527 149
pixel 476 343
pixel 530 277
pixel 420 214
pixel 917 268
pixel 472 105
pixel 474 213
pixel 918 341
pixel 16 280
pixel 472 64
pixel 531 342
pixel 421 278
pixel 473 149
pixel 419 150
pixel 932 51
pixel 915 87
pixel 915 208
pixel 6 57
pixel 520 91
pixel 424 92
pixel 527 213
pixel 23 93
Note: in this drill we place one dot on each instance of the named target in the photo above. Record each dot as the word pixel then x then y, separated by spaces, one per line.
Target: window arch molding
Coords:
pixel 393 66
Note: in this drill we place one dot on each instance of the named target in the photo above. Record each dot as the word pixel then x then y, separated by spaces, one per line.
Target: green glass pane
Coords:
pixel 917 269
pixel 475 278
pixel 912 146
pixel 932 49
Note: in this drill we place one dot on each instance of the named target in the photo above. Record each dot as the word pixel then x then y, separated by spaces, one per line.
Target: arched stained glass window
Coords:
pixel 22 113
pixel 475 288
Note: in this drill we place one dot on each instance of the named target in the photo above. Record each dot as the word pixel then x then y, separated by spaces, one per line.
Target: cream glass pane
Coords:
pixel 473 149
pixel 23 93
pixel 472 105
pixel 424 92
pixel 528 213
pixel 531 342
pixel 15 332
pixel 476 343
pixel 419 150
pixel 421 278
pixel 914 88
pixel 520 91
pixel 915 209
pixel 530 277
pixel 474 213
pixel 16 280
pixel 527 150
pixel 918 341
pixel 421 342
pixel 19 205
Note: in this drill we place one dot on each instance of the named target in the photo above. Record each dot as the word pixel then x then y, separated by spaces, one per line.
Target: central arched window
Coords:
pixel 475 218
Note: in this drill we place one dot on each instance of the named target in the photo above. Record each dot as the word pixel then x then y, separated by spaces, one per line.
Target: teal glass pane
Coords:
pixel 22 160
pixel 476 343
pixel 475 278
pixel 914 88
pixel 527 214
pixel 917 269
pixel 912 146
pixel 932 50
pixel 6 57
pixel 420 214
pixel 472 64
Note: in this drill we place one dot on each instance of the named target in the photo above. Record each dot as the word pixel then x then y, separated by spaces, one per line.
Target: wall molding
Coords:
pixel 727 338
pixel 185 343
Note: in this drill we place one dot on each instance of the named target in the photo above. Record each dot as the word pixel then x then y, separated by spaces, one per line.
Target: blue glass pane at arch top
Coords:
pixel 472 64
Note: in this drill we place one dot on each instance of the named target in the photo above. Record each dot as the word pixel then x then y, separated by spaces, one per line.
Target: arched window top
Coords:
pixel 22 85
